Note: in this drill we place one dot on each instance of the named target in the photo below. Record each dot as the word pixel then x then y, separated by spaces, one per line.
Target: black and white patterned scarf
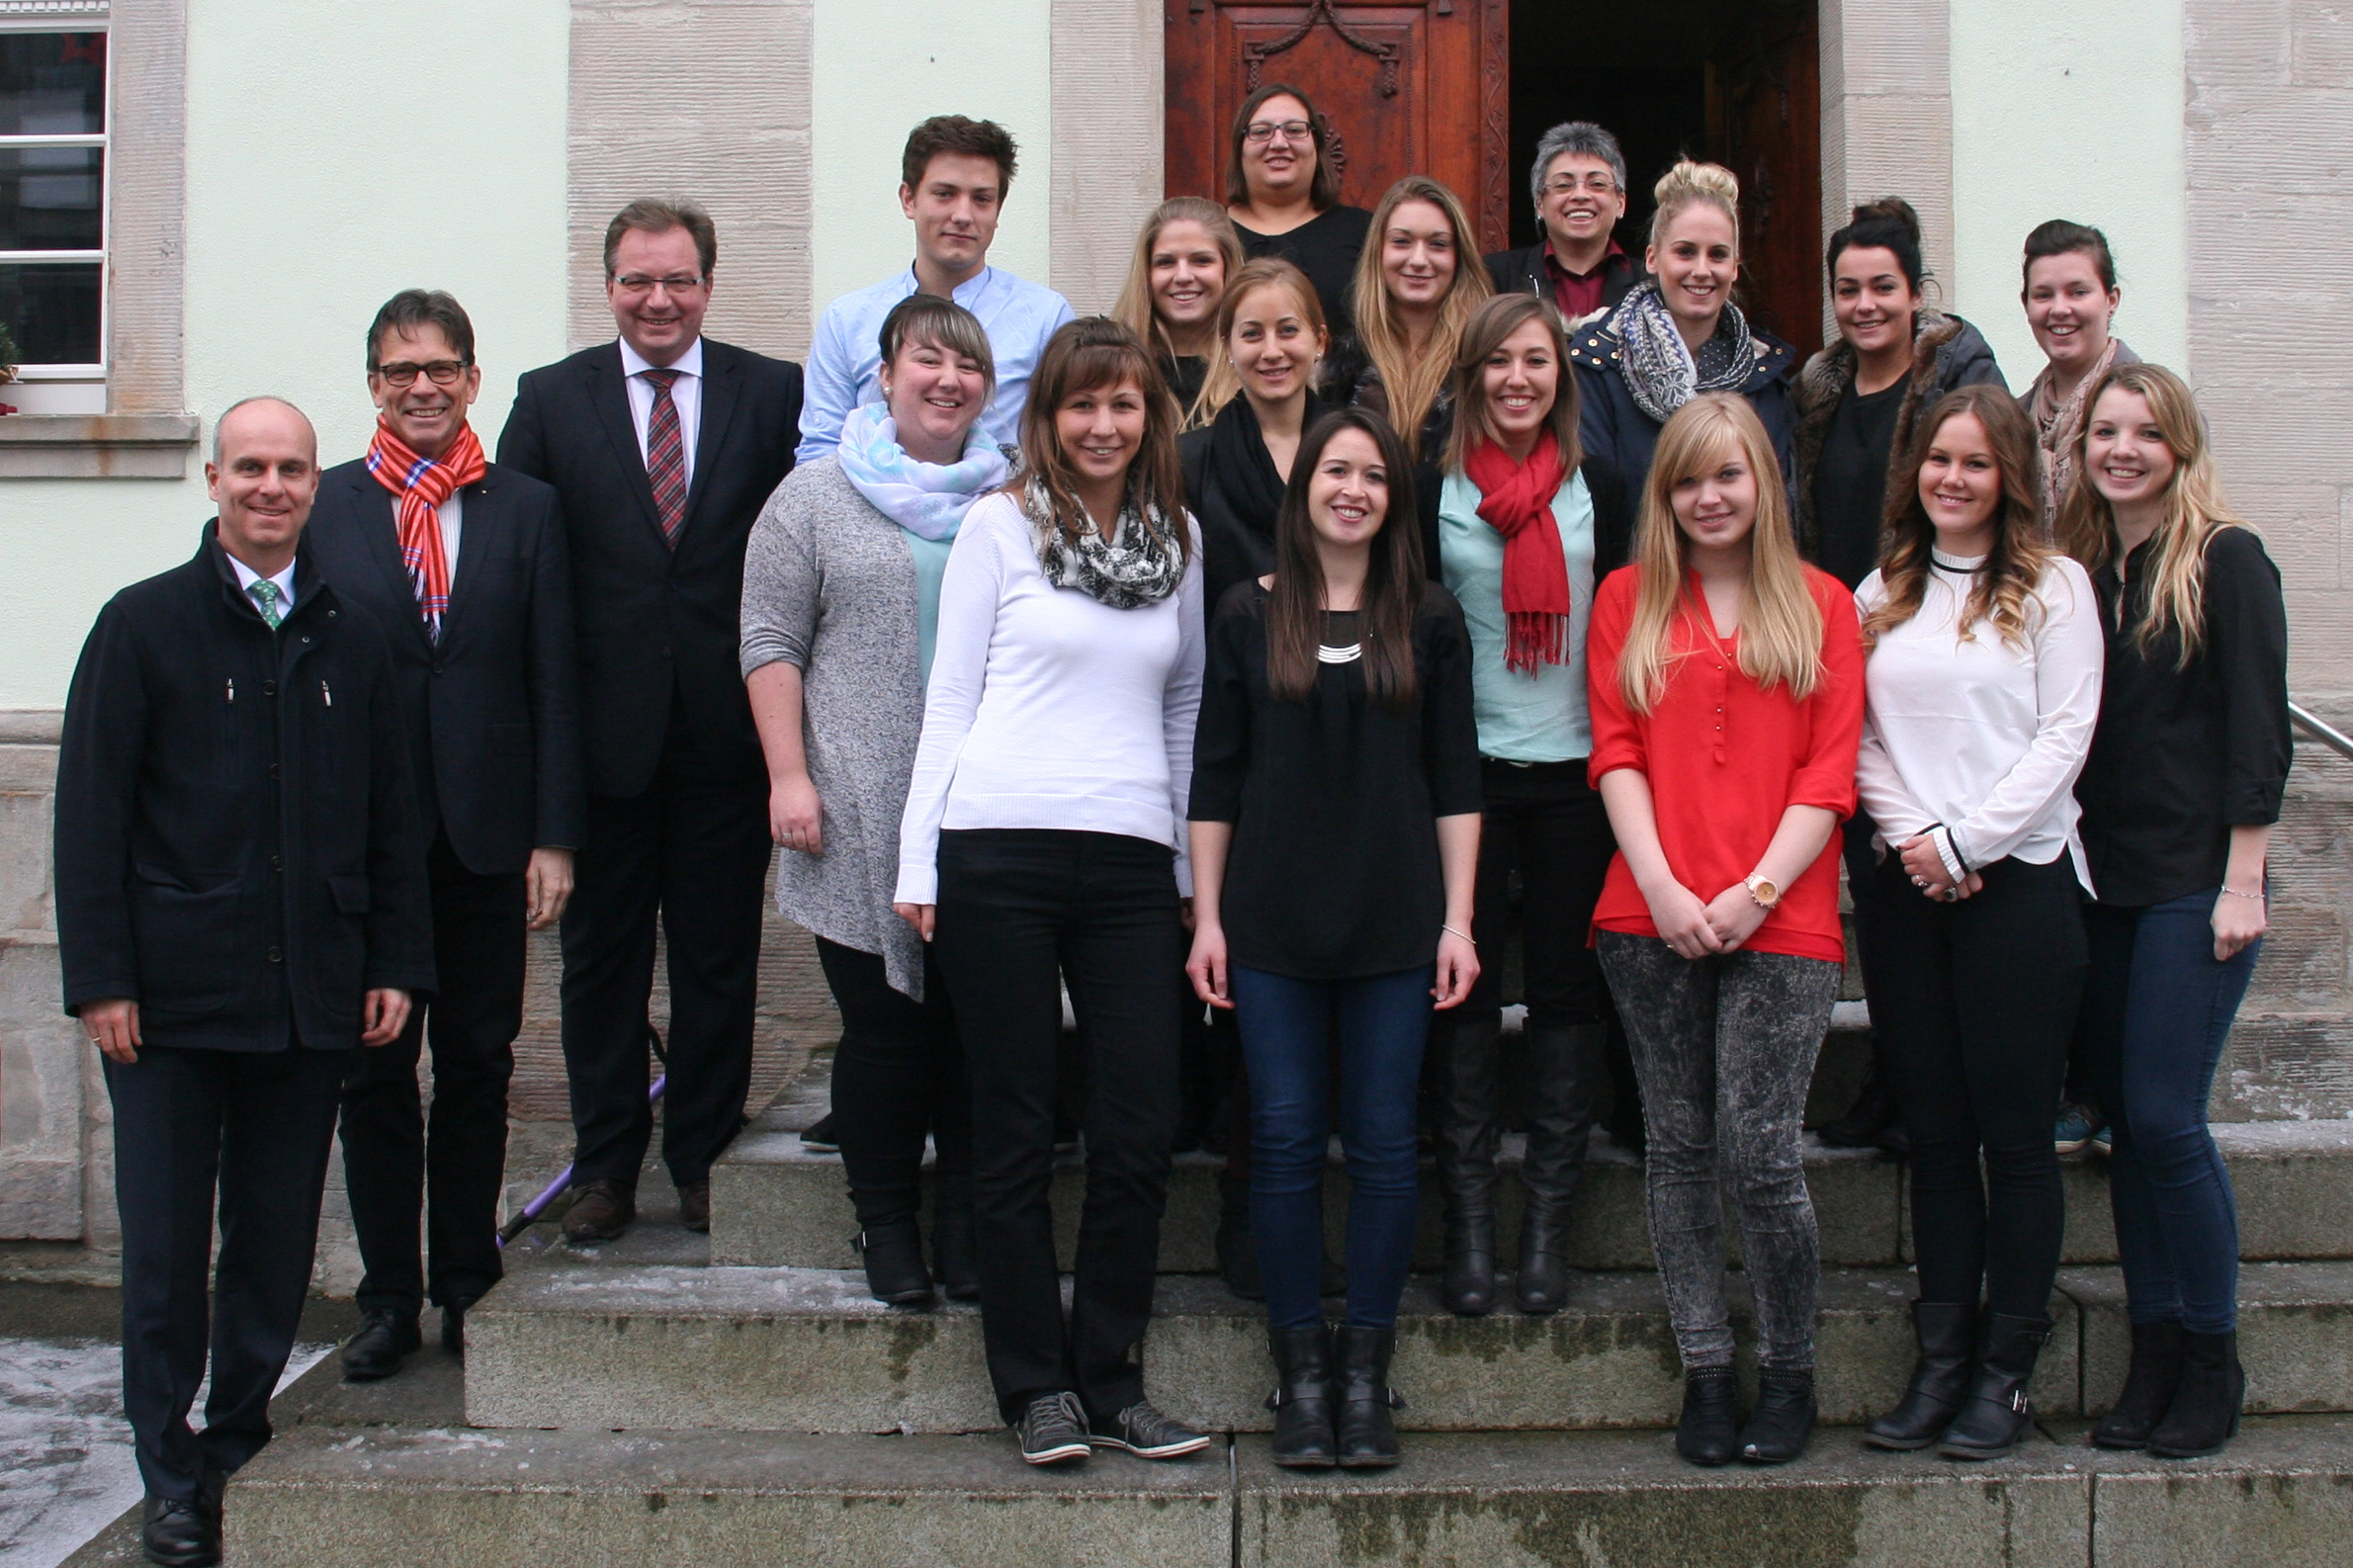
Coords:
pixel 1140 564
pixel 1660 370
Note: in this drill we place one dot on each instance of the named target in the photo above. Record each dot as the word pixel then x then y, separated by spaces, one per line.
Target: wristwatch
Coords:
pixel 1763 889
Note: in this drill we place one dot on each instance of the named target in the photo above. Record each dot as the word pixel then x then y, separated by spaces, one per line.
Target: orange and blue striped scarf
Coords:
pixel 421 486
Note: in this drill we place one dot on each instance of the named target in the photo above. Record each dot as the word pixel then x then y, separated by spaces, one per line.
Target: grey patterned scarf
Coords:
pixel 1139 565
pixel 1660 371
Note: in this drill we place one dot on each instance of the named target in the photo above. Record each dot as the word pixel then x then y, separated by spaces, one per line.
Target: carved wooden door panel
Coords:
pixel 1764 107
pixel 1409 87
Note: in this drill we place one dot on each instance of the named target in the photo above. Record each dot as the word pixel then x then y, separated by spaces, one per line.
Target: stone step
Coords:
pixel 775 1204
pixel 420 1497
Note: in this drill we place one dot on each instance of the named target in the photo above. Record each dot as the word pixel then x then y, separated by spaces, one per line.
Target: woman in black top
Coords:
pixel 1859 401
pixel 1335 845
pixel 1186 254
pixel 2183 783
pixel 1415 287
pixel 1283 193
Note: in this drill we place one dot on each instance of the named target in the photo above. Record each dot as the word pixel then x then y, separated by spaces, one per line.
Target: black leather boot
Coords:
pixel 1466 1164
pixel 1948 1337
pixel 1367 1428
pixel 1779 1429
pixel 895 1271
pixel 954 1262
pixel 1564 1067
pixel 2148 1388
pixel 1626 1128
pixel 1304 1434
pixel 1237 1250
pixel 2204 1411
pixel 1998 1413
pixel 1707 1432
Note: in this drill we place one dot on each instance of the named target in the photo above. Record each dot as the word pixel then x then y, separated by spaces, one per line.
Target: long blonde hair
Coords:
pixel 1135 309
pixel 1223 384
pixel 2015 567
pixel 1411 384
pixel 2195 510
pixel 1780 625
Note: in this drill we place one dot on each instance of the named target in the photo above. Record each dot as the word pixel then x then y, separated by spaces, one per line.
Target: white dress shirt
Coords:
pixel 452 517
pixel 686 392
pixel 247 578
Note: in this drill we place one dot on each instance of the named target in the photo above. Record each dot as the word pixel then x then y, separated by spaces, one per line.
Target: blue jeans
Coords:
pixel 1286 1026
pixel 2156 1010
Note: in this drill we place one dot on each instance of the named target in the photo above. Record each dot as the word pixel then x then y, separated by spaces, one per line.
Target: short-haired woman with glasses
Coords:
pixel 1579 183
pixel 1282 191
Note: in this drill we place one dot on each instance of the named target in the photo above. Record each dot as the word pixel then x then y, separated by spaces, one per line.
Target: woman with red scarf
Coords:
pixel 1525 527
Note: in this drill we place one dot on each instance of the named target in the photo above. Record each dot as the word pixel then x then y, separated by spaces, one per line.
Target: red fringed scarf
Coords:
pixel 1516 500
pixel 421 486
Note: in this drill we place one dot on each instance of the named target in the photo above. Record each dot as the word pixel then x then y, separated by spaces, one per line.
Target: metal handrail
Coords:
pixel 2321 731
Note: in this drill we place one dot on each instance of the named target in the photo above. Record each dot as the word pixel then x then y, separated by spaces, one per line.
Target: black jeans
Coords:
pixel 394 1162
pixel 253 1126
pixel 1019 910
pixel 898 1076
pixel 1977 1003
pixel 693 853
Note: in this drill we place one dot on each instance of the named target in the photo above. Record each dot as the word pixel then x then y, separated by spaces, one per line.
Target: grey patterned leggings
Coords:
pixel 1725 1048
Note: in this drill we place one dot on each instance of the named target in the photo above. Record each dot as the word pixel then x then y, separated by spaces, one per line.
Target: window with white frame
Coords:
pixel 53 124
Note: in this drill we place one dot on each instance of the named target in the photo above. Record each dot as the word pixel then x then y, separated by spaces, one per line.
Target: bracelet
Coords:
pixel 2233 893
pixel 1466 936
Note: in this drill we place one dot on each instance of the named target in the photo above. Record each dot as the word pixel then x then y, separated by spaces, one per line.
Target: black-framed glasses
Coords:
pixel 1569 185
pixel 676 283
pixel 1259 130
pixel 440 372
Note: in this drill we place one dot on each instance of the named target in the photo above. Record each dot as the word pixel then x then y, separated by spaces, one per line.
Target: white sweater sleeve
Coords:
pixel 1892 808
pixel 2071 658
pixel 1180 706
pixel 969 593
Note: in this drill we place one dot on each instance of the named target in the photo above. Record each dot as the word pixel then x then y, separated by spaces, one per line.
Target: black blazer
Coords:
pixel 238 847
pixel 1522 271
pixel 494 707
pixel 652 620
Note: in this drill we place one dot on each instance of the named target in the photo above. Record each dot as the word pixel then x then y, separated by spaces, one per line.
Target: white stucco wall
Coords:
pixel 331 161
pixel 883 66
pixel 2070 111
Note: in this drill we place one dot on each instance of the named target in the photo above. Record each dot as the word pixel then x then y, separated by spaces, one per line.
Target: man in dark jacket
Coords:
pixel 1579 182
pixel 463 562
pixel 240 898
pixel 664 447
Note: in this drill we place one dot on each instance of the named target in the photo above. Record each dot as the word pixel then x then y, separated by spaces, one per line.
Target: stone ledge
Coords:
pixel 97 446
pixel 32 725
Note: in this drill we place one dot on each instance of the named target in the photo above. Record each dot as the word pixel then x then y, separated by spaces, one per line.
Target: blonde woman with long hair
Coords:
pixel 1418 281
pixel 1186 254
pixel 1724 679
pixel 2182 786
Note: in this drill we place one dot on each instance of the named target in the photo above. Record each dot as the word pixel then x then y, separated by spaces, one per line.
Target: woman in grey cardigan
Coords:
pixel 840 598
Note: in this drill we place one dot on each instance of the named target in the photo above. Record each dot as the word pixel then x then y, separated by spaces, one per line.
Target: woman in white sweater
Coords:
pixel 1043 843
pixel 1984 688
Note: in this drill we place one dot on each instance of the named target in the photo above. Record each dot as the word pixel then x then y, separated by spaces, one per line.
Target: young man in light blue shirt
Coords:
pixel 954 176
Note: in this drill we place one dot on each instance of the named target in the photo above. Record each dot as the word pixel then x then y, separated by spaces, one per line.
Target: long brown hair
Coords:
pixel 1412 383
pixel 1090 352
pixel 1135 309
pixel 1392 583
pixel 1780 625
pixel 2016 565
pixel 1321 192
pixel 1223 383
pixel 1490 324
pixel 2195 510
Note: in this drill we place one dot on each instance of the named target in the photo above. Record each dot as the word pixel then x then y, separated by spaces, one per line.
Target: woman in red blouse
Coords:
pixel 1725 679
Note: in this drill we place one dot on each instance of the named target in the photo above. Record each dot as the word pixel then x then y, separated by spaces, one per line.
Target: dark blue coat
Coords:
pixel 1613 426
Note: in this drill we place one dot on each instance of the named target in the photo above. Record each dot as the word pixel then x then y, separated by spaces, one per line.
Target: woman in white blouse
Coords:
pixel 1984 689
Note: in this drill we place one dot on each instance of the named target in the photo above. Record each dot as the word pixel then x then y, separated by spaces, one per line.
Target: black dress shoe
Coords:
pixel 819 1137
pixel 453 1325
pixel 182 1532
pixel 600 1211
pixel 954 1261
pixel 694 1206
pixel 385 1339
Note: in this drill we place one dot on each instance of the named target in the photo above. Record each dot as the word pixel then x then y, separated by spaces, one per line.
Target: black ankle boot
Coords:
pixel 1237 1250
pixel 1541 1285
pixel 1304 1434
pixel 1999 1411
pixel 1866 1121
pixel 954 1261
pixel 1709 1430
pixel 1469 1286
pixel 1940 1377
pixel 2148 1388
pixel 895 1271
pixel 2204 1411
pixel 1779 1427
pixel 1365 1425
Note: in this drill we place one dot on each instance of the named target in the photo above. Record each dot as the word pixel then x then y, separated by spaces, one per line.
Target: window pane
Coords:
pixel 52 84
pixel 51 311
pixel 48 199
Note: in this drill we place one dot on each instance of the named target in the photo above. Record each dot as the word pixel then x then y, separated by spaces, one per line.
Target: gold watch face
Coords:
pixel 1766 893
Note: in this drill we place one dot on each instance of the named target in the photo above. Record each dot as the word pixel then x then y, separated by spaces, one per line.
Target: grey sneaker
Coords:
pixel 1053 1430
pixel 1147 1435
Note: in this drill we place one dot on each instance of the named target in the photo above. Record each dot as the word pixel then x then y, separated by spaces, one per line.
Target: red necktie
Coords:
pixel 665 456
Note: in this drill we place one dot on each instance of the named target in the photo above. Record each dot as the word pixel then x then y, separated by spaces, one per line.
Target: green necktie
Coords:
pixel 265 595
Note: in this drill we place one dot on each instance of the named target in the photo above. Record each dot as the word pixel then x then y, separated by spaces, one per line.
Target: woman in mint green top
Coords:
pixel 1526 527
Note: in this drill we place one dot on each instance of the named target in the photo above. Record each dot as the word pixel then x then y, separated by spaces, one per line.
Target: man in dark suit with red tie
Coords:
pixel 462 564
pixel 662 446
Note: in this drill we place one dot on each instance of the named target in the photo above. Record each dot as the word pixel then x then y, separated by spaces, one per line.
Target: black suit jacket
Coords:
pixel 1522 271
pixel 654 621
pixel 238 848
pixel 494 707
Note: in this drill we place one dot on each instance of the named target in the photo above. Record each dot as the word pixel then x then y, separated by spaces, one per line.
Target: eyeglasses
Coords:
pixel 638 283
pixel 1259 130
pixel 1597 184
pixel 440 372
